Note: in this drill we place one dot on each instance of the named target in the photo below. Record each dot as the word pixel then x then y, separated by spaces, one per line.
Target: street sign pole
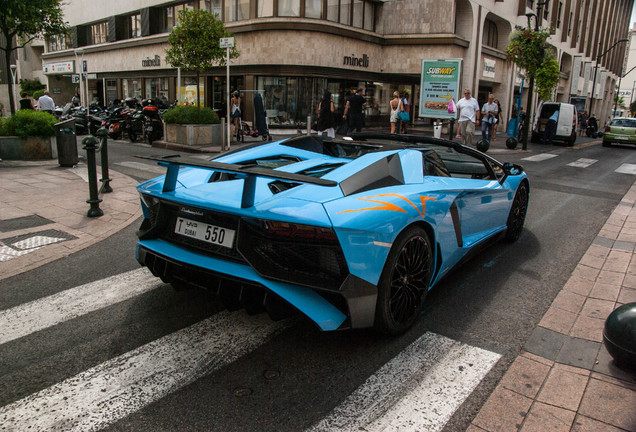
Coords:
pixel 227 43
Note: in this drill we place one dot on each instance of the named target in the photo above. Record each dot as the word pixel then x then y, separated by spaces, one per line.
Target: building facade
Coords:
pixel 291 51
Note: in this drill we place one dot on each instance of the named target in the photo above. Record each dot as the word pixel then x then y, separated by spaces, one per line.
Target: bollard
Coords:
pixel 451 128
pixel 102 134
pixel 90 145
pixel 308 125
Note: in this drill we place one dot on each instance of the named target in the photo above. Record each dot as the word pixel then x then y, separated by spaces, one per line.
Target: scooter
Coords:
pixel 153 125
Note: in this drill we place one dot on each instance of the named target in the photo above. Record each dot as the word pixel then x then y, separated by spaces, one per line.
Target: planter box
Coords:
pixel 30 148
pixel 194 134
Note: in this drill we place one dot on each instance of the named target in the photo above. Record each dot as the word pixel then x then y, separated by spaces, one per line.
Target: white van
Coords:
pixel 566 125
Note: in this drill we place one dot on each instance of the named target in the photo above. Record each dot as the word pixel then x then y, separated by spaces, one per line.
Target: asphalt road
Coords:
pixel 298 375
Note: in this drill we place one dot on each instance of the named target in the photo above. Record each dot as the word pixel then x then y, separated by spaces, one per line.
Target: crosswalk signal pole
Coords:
pixel 227 43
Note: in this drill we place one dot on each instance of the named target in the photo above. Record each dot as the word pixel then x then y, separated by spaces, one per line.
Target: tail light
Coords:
pixel 290 230
pixel 607 128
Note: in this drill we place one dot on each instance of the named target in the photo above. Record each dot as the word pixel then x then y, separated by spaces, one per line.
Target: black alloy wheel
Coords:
pixel 518 211
pixel 404 281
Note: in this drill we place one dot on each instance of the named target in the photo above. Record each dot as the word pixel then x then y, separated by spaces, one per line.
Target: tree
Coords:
pixel 21 21
pixel 194 43
pixel 619 101
pixel 530 51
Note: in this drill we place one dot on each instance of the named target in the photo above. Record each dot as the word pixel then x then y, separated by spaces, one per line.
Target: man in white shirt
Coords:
pixel 45 103
pixel 468 110
pixel 488 115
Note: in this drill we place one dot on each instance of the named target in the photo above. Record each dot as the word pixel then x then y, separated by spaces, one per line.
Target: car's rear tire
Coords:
pixel 606 143
pixel 404 281
pixel 518 211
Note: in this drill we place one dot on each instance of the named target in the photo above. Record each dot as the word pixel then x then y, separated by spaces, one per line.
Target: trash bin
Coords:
pixel 437 129
pixel 66 143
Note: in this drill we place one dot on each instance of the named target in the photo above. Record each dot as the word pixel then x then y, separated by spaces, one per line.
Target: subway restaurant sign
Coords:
pixel 439 84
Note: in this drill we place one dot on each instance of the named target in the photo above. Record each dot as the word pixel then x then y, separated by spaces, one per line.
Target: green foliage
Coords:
pixel 527 49
pixel 546 78
pixel 36 94
pixel 619 101
pixel 194 42
pixel 190 115
pixel 21 21
pixel 31 86
pixel 632 107
pixel 25 123
pixel 3 127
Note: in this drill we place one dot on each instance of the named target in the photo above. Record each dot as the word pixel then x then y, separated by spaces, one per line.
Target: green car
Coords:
pixel 621 130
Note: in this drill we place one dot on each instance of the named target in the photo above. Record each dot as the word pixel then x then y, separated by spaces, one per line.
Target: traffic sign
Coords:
pixel 75 79
pixel 226 42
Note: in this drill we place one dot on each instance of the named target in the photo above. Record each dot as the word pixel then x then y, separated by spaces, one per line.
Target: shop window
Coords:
pixel 131 88
pixel 135 26
pixel 313 9
pixel 98 33
pixel 345 12
pixel 111 91
pixel 358 13
pixel 490 34
pixel 58 43
pixel 289 8
pixel 157 88
pixel 237 10
pixel 188 91
pixel 369 16
pixel 265 8
pixel 171 15
pixel 558 23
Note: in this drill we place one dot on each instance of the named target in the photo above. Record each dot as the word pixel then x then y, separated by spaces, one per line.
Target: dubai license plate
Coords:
pixel 205 232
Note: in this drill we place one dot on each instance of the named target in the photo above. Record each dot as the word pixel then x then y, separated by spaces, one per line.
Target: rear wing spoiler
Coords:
pixel 249 174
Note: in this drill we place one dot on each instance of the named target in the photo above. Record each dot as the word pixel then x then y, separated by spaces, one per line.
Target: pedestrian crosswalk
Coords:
pixel 624 168
pixel 419 389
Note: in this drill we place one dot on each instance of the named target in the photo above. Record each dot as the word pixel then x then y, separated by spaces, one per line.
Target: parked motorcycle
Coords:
pixel 153 125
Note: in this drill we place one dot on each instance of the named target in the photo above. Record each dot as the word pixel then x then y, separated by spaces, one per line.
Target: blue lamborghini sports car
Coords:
pixel 350 232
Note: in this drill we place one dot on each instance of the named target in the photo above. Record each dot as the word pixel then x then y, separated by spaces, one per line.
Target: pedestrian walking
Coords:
pixel 326 122
pixel 26 102
pixel 468 116
pixel 489 113
pixel 550 128
pixel 353 111
pixel 497 120
pixel 45 103
pixel 235 113
pixel 582 123
pixel 395 106
pixel 406 107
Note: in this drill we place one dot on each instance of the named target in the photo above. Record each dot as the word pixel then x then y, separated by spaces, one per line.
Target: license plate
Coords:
pixel 205 232
pixel 621 137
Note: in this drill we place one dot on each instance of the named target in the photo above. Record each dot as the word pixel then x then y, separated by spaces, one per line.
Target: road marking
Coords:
pixel 39 314
pixel 114 389
pixel 418 390
pixel 626 169
pixel 582 163
pixel 143 167
pixel 539 157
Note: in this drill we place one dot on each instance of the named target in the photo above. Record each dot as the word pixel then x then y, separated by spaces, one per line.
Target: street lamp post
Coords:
pixel 528 122
pixel 14 71
pixel 598 59
pixel 78 65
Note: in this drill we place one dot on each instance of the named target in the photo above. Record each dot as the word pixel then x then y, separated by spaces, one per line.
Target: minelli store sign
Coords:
pixel 59 68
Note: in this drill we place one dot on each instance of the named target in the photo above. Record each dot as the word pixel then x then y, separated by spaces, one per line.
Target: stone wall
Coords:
pixel 433 16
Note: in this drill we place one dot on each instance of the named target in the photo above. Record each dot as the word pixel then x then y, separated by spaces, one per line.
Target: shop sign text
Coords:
pixel 356 61
pixel 148 62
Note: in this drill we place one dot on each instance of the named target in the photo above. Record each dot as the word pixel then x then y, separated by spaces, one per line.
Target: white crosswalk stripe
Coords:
pixel 626 169
pixel 418 390
pixel 143 167
pixel 37 315
pixel 539 157
pixel 582 163
pixel 114 389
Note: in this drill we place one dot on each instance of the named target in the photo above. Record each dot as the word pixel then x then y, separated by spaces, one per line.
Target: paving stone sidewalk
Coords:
pixel 565 380
pixel 43 213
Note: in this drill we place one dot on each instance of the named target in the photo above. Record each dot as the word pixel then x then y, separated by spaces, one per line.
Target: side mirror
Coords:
pixel 512 169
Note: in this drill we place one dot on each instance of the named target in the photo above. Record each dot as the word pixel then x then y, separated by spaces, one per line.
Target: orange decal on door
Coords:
pixel 390 206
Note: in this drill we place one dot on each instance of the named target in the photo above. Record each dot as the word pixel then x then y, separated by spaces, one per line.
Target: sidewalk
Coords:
pixel 564 379
pixel 43 213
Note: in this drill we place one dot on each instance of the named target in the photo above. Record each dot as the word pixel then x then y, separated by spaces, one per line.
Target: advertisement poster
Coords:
pixel 439 84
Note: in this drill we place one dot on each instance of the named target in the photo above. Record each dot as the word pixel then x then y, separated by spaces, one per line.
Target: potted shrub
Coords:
pixel 191 125
pixel 27 135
